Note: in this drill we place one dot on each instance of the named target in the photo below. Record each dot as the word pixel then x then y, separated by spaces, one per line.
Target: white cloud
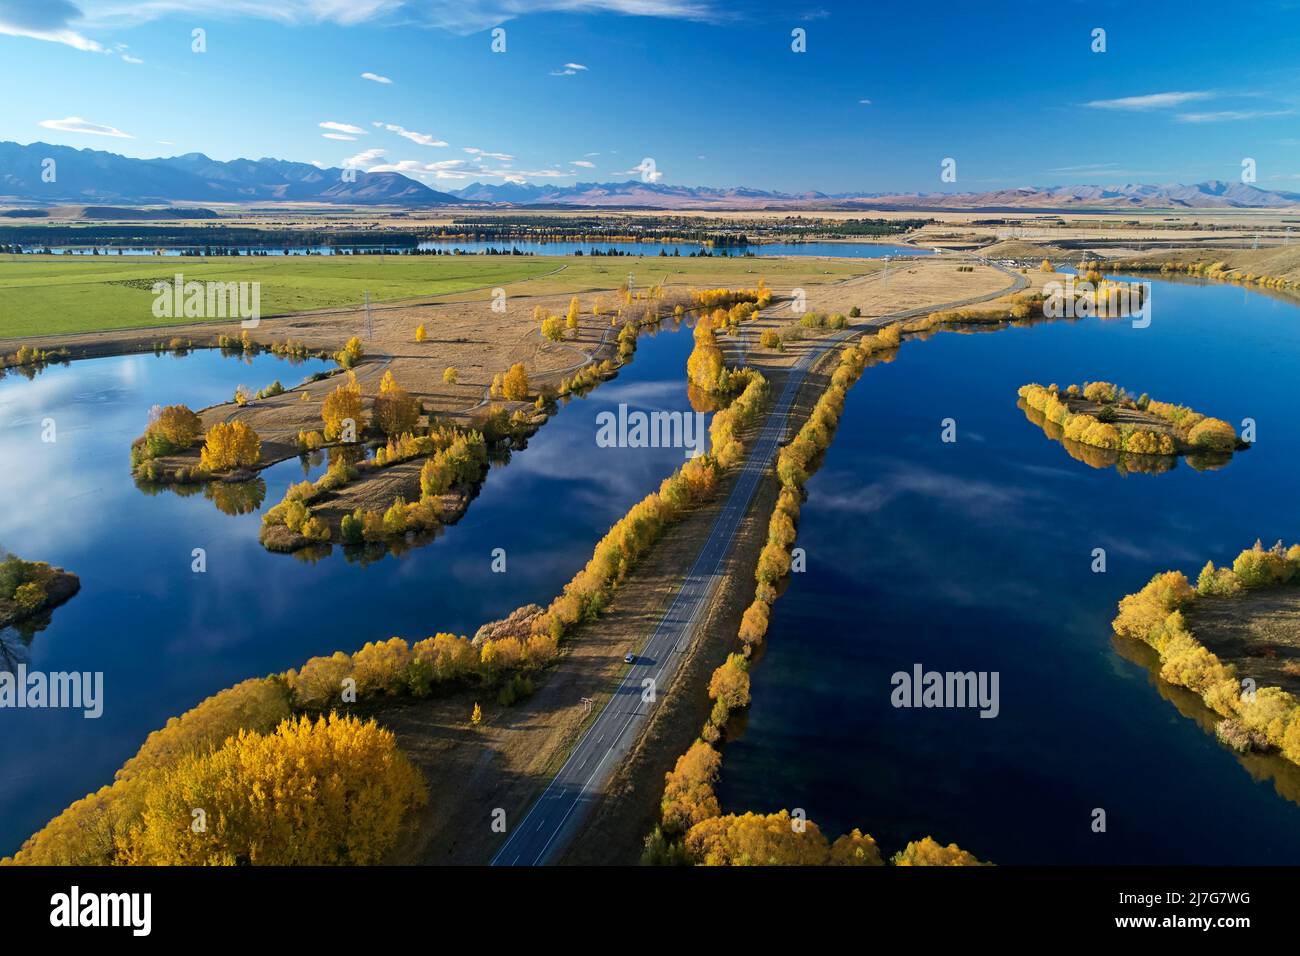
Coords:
pixel 447 169
pixel 343 136
pixel 1149 101
pixel 461 17
pixel 643 171
pixel 574 66
pixel 48 20
pixel 865 102
pixel 128 58
pixel 342 128
pixel 424 139
pixel 75 124
pixel 1228 116
pixel 583 163
pixel 367 157
pixel 482 154
pixel 455 170
pixel 376 78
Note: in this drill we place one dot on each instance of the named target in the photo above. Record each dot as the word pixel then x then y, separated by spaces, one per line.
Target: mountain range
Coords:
pixel 93 176
pixel 1208 195
pixel 87 176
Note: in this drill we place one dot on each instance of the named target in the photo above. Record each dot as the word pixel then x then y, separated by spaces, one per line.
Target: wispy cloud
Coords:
pixel 364 159
pixel 376 78
pixel 461 17
pixel 49 20
pixel 483 154
pixel 423 139
pixel 569 69
pixel 1085 168
pixel 343 136
pixel 1149 101
pixel 75 124
pixel 342 128
pixel 1230 116
pixel 585 164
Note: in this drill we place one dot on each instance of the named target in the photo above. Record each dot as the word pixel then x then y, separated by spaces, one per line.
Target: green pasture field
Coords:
pixel 51 295
pixel 48 295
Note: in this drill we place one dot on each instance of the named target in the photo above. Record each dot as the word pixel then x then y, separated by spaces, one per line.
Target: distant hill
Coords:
pixel 1208 195
pixel 634 193
pixel 92 178
pixel 88 176
pixel 113 213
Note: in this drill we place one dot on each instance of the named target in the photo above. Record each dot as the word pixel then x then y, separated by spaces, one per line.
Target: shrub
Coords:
pixel 396 410
pixel 230 445
pixel 341 406
pixel 688 792
pixel 330 791
pixel 1212 434
pixel 1257 568
pixel 1100 392
pixel 928 852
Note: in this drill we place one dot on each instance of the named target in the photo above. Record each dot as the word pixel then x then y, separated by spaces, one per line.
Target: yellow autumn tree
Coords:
pixel 928 852
pixel 552 329
pixel 177 425
pixel 575 310
pixel 730 682
pixel 755 839
pixel 396 410
pixel 688 792
pixel 855 848
pixel 330 791
pixel 704 366
pixel 230 445
pixel 450 375
pixel 341 406
pixel 514 384
pixel 420 334
pixel 350 354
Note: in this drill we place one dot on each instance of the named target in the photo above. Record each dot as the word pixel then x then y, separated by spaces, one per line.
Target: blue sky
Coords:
pixel 712 92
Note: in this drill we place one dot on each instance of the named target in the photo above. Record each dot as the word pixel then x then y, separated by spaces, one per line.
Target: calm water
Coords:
pixel 976 556
pixel 166 637
pixel 852 250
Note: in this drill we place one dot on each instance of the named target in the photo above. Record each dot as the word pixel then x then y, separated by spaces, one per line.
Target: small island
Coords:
pixel 30 588
pixel 1234 640
pixel 1104 425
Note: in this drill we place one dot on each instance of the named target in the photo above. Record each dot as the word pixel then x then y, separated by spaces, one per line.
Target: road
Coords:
pixel 555 817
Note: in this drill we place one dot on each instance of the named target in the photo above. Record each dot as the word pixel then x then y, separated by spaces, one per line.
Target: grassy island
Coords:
pixel 30 588
pixel 1104 425
pixel 1233 639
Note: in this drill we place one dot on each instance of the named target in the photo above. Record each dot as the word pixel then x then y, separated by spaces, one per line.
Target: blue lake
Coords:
pixel 973 555
pixel 976 555
pixel 166 637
